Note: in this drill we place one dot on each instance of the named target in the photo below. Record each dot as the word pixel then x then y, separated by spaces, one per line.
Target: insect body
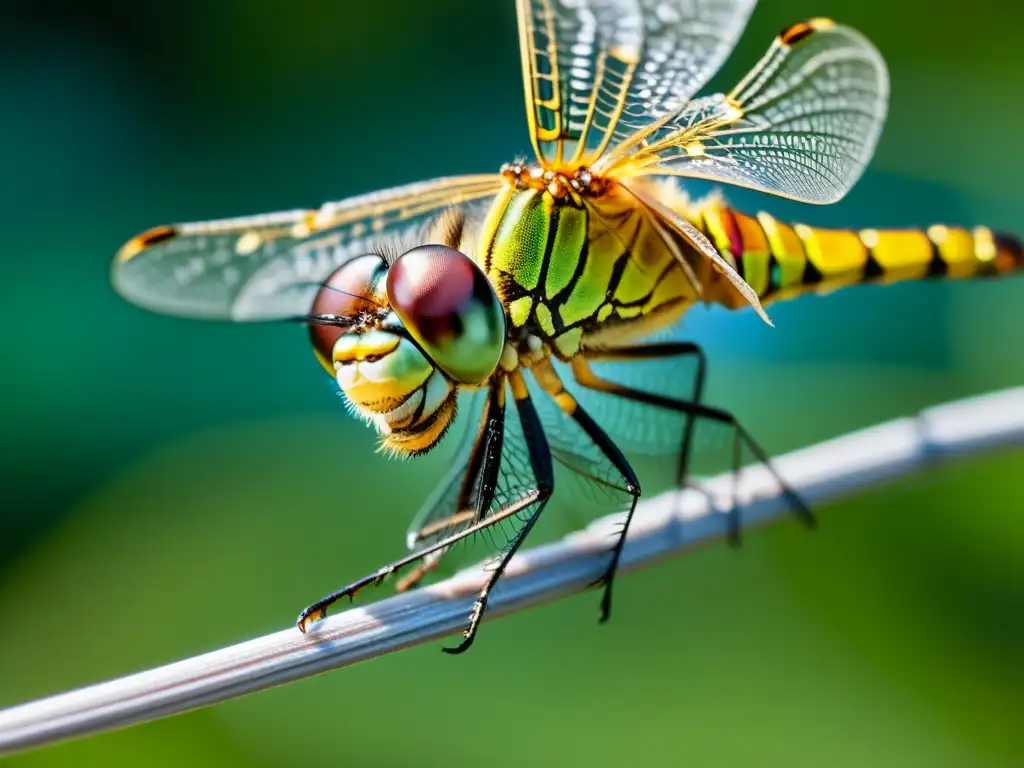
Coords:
pixel 486 283
pixel 578 264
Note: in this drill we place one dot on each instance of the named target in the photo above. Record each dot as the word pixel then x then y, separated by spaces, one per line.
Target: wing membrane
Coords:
pixel 595 71
pixel 666 217
pixel 459 504
pixel 803 124
pixel 270 266
pixel 442 514
pixel 578 59
pixel 685 43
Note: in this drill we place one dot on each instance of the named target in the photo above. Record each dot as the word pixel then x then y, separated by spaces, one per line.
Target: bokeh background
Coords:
pixel 170 487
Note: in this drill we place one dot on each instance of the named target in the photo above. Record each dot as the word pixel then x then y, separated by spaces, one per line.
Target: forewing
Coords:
pixel 803 124
pixel 271 266
pixel 578 60
pixel 685 42
pixel 595 71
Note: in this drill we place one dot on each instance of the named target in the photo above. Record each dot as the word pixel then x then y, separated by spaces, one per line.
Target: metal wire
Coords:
pixel 664 526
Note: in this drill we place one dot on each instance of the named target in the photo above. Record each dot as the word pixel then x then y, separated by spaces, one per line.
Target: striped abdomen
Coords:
pixel 781 261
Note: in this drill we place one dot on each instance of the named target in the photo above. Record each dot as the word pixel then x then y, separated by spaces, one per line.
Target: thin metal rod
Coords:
pixel 664 526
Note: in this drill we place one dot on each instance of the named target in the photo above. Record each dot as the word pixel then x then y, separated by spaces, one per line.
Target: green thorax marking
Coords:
pixel 568 266
pixel 534 256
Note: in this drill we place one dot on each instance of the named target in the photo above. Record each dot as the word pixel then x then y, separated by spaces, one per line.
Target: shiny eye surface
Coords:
pixel 448 306
pixel 357 286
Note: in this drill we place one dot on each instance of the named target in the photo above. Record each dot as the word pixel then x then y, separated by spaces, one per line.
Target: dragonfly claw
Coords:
pixel 460 648
pixel 470 633
pixel 313 613
pixel 605 609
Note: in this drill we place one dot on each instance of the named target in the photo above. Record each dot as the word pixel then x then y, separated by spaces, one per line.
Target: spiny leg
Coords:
pixel 476 492
pixel 587 378
pixel 550 383
pixel 444 524
pixel 415 576
pixel 544 475
pixel 318 610
pixel 480 480
pixel 662 350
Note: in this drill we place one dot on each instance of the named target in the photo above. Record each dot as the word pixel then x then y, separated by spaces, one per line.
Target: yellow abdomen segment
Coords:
pixel 781 261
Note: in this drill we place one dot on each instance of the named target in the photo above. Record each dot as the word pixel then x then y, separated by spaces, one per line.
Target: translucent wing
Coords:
pixel 595 71
pixel 442 514
pixel 651 437
pixel 578 59
pixel 458 503
pixel 685 43
pixel 588 485
pixel 636 428
pixel 270 266
pixel 802 124
pixel 668 218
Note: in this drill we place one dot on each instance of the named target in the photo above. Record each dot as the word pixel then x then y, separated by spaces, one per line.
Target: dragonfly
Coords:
pixel 518 285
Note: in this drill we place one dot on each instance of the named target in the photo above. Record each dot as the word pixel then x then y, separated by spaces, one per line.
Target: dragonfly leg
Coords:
pixel 477 489
pixel 443 525
pixel 550 383
pixel 668 349
pixel 587 378
pixel 476 478
pixel 544 475
pixel 318 610
pixel 662 350
pixel 415 576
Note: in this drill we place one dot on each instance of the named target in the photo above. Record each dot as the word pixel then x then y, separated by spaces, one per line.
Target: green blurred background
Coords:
pixel 171 486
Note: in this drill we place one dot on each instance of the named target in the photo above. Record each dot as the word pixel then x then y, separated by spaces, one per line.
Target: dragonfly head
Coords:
pixel 418 329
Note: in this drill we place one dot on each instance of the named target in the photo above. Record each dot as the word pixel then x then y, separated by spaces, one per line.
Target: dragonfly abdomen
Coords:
pixel 781 261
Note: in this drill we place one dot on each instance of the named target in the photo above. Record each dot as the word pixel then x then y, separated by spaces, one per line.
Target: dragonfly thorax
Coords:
pixel 574 257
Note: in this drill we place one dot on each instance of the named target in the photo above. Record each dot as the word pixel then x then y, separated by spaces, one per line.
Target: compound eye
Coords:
pixel 354 288
pixel 448 306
